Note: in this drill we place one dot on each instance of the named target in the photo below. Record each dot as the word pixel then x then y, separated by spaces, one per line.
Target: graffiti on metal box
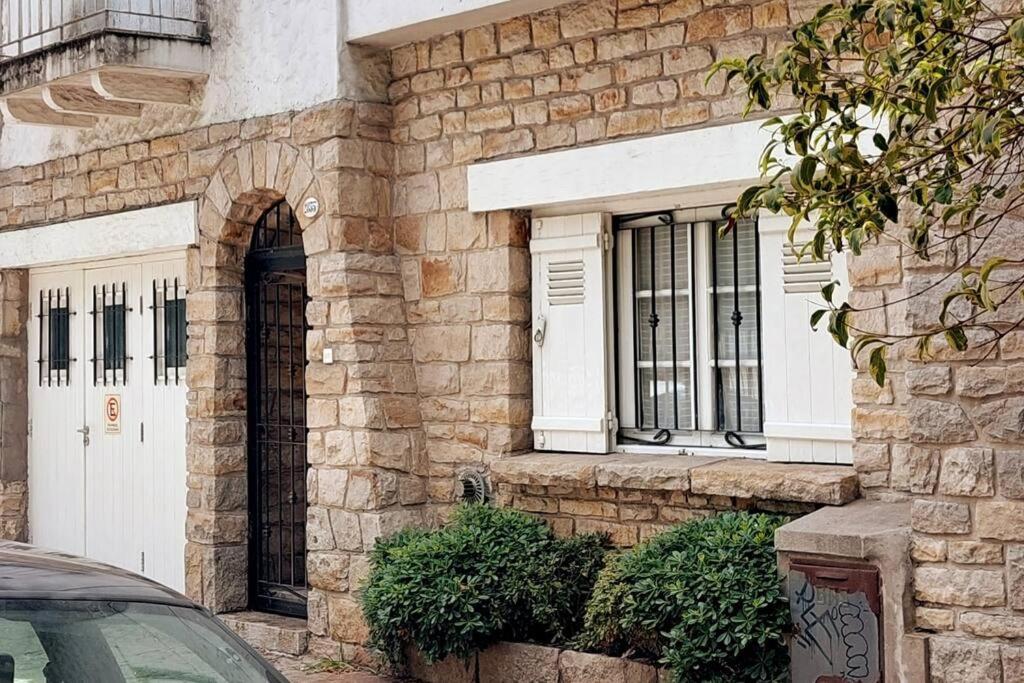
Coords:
pixel 836 631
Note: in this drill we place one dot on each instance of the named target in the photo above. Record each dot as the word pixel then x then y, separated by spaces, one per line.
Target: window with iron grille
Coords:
pixel 54 337
pixel 688 316
pixel 110 335
pixel 170 336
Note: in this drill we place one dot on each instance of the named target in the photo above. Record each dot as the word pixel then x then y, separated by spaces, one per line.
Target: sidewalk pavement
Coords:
pixel 303 671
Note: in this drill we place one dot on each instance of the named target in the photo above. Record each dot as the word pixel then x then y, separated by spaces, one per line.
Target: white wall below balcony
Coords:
pixel 266 58
pixel 394 22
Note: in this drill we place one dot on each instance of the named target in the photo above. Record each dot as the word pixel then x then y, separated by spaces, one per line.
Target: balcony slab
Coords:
pixel 104 75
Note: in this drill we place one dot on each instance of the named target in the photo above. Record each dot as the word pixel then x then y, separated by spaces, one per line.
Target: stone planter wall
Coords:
pixel 632 497
pixel 523 663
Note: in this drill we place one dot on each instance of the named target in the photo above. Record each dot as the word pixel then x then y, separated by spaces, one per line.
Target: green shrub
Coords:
pixel 490 574
pixel 704 598
pixel 563 580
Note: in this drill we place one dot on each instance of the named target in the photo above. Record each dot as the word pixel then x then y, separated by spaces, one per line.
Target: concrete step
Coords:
pixel 270 632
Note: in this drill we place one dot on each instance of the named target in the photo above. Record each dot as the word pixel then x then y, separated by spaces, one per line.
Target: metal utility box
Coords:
pixel 837 623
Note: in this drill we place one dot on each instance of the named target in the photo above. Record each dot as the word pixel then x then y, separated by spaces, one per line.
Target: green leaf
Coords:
pixel 1016 32
pixel 887 205
pixel 828 291
pixel 931 103
pixel 877 365
pixel 817 316
pixel 957 338
pixel 803 174
pixel 746 200
pixel 839 327
pixel 942 77
pixel 989 266
pixel 947 301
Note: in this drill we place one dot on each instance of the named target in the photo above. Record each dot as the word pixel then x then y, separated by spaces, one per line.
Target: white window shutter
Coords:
pixel 571 327
pixel 808 378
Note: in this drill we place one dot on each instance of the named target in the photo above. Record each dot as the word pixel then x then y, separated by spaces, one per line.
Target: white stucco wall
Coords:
pixel 267 57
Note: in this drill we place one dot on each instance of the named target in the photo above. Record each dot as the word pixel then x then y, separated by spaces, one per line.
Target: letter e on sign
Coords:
pixel 112 414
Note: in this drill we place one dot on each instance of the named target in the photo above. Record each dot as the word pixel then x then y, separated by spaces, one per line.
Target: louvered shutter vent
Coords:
pixel 801 274
pixel 571 327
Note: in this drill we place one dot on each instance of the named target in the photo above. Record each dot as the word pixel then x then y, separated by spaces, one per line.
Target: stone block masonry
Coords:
pixel 946 436
pixel 426 308
pixel 633 497
pixel 580 74
pixel 13 405
pixel 366 445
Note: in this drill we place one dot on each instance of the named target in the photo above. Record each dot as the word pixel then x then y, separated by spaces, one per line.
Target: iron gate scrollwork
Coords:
pixel 275 275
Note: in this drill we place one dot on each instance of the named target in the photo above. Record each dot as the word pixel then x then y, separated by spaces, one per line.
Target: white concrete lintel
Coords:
pixel 710 164
pixel 387 23
pixel 130 233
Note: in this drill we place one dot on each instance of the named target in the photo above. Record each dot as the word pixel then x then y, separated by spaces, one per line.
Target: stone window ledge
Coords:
pixel 710 476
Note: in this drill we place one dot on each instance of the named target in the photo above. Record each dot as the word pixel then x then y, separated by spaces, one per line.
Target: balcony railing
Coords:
pixel 30 25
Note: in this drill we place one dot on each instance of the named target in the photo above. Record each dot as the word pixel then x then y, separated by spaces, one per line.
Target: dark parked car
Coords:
pixel 67 620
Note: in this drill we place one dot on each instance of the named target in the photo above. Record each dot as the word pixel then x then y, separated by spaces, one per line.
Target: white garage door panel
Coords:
pixel 115 458
pixel 121 498
pixel 163 480
pixel 56 451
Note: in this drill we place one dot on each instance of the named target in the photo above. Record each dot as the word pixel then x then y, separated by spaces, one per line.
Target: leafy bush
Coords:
pixel 563 583
pixel 490 574
pixel 704 598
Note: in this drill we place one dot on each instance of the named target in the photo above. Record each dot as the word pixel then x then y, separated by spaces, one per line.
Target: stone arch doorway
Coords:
pixel 276 329
pixel 248 184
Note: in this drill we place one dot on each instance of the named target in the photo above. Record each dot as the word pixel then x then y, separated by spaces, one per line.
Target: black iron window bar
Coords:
pixel 678 233
pixel 649 350
pixel 110 335
pixel 55 337
pixel 276 299
pixel 170 337
pixel 739 317
pixel 279 228
pixel 282 430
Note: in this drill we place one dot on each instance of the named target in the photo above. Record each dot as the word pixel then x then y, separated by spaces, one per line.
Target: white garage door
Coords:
pixel 107 405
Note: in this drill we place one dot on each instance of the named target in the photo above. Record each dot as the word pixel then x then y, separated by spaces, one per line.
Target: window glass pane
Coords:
pixel 750 406
pixel 663 322
pixel 59 324
pixel 673 398
pixel 19 641
pixel 114 337
pixel 663 307
pixel 734 301
pixel 116 641
pixel 175 336
pixel 746 315
pixel 745 254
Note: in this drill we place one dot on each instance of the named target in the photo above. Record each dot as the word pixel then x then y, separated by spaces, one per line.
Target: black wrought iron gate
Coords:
pixel 275 278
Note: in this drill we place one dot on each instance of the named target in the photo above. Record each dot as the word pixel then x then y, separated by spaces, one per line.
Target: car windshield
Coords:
pixel 76 641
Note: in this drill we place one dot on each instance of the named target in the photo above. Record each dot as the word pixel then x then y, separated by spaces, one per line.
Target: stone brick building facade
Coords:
pixel 945 434
pixel 578 75
pixel 424 307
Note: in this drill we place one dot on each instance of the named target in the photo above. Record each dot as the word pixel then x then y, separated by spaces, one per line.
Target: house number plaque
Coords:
pixel 311 207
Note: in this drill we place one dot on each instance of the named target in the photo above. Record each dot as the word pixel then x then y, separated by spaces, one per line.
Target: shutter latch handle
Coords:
pixel 540 328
